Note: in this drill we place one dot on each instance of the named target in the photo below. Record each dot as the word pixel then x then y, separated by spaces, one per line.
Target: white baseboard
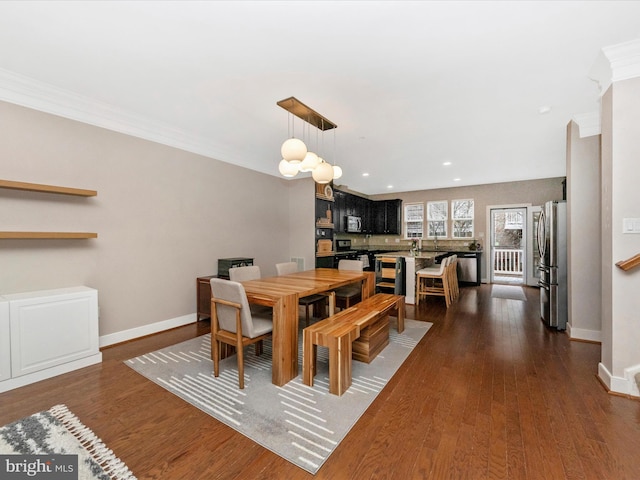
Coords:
pixel 150 329
pixel 584 334
pixel 626 385
pixel 630 374
pixel 23 380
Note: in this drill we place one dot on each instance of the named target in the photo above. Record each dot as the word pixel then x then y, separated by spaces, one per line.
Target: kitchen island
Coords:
pixel 469 263
pixel 412 263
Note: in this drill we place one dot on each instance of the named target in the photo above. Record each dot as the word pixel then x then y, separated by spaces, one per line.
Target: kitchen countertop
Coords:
pixel 406 253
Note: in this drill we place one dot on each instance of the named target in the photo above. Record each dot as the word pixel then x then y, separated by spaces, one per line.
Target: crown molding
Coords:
pixel 616 63
pixel 28 92
pixel 588 124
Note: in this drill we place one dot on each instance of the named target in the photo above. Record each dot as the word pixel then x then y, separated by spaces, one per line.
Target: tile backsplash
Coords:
pixel 394 242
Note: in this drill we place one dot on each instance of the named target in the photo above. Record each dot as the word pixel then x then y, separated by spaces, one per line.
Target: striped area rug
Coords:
pixel 301 424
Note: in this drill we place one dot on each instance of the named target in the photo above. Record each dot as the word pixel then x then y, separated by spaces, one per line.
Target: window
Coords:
pixel 462 218
pixel 437 217
pixel 413 220
pixel 513 221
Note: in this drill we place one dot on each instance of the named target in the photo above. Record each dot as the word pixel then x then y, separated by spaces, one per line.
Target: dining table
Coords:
pixel 282 293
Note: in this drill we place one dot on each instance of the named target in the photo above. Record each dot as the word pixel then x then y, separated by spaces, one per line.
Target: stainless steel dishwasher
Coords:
pixel 468 268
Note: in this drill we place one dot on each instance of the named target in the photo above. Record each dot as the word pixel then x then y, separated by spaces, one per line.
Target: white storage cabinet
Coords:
pixel 47 333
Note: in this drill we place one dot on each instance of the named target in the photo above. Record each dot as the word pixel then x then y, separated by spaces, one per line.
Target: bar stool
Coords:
pixel 434 281
pixel 453 277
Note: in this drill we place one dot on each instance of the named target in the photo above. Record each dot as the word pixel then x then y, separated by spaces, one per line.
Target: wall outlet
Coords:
pixel 397 240
pixel 386 240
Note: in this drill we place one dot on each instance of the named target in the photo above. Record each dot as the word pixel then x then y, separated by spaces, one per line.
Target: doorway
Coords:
pixel 508 241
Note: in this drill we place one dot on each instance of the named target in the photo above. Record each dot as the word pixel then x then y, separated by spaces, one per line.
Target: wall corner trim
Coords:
pixel 616 63
pixel 588 124
pixel 626 385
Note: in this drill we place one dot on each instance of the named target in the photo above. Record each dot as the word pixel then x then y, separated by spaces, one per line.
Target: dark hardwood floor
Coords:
pixel 489 393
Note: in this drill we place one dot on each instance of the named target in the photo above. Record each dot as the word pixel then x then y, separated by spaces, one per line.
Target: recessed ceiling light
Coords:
pixel 365 174
pixel 446 164
pixel 456 179
pixel 544 109
pixel 389 186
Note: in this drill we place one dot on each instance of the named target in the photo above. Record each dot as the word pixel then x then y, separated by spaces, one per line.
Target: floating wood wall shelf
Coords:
pixel 36 187
pixel 47 235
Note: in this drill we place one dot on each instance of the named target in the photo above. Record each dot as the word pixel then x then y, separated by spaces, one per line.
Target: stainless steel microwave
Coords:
pixel 354 224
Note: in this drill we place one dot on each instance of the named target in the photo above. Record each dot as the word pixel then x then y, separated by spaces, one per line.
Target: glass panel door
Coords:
pixel 508 245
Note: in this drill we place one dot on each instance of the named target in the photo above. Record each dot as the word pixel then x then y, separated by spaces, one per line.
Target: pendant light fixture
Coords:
pixel 295 155
pixel 323 173
pixel 293 150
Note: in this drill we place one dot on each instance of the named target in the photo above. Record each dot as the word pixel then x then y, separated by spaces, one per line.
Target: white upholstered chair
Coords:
pixel 244 274
pixel 233 324
pixel 286 268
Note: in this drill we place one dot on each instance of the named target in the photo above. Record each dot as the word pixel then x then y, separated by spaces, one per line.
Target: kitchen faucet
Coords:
pixel 436 242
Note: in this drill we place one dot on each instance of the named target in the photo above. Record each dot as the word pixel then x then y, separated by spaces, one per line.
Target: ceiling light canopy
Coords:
pixel 295 155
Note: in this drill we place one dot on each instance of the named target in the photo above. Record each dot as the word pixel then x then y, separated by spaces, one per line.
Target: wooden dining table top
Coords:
pixel 303 283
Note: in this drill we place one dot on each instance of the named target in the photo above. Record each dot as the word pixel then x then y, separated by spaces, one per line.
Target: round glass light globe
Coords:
pixel 310 162
pixel 323 173
pixel 337 172
pixel 293 149
pixel 287 169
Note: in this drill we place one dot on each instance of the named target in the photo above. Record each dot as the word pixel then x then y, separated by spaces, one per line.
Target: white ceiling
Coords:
pixel 409 84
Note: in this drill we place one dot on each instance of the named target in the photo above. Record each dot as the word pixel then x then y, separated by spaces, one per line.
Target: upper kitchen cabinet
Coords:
pixel 363 210
pixel 340 211
pixel 378 217
pixel 387 217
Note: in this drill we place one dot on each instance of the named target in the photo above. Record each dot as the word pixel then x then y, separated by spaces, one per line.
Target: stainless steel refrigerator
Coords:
pixel 552 246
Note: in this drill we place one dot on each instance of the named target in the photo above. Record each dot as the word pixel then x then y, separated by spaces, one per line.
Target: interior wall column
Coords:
pixel 618 73
pixel 583 235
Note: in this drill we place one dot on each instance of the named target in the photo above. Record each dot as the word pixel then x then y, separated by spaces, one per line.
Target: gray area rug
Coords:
pixel 301 424
pixel 58 431
pixel 510 292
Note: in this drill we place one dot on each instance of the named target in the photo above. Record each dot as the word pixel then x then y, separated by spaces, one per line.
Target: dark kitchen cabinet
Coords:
pixel 340 211
pixel 363 210
pixel 387 217
pixel 352 205
pixel 378 217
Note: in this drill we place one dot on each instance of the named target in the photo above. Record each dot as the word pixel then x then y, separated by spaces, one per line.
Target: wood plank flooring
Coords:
pixel 489 393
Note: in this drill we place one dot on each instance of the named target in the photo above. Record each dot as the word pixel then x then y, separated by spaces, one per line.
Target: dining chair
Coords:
pixel 232 323
pixel 244 274
pixel 434 281
pixel 307 302
pixel 349 294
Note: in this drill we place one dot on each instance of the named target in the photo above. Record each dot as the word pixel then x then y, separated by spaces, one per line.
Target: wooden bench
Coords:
pixel 360 331
pixel 375 335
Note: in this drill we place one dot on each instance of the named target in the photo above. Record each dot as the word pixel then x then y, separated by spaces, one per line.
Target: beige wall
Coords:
pixel 163 216
pixel 583 206
pixel 620 199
